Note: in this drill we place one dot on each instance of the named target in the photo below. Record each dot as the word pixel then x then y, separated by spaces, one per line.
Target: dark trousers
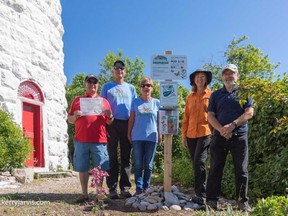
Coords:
pixel 118 134
pixel 219 148
pixel 198 149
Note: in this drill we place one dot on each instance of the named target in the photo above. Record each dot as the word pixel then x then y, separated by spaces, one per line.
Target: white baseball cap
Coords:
pixel 231 67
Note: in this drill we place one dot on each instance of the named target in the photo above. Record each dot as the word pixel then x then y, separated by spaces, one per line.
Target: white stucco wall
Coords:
pixel 31 48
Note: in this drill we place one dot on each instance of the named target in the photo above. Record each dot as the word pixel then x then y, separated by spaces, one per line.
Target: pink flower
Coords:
pixel 97 180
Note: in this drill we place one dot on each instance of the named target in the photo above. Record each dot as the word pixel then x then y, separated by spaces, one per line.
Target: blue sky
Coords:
pixel 199 29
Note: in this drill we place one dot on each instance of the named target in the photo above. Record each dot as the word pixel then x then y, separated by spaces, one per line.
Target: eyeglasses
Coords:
pixel 90 81
pixel 119 67
pixel 145 85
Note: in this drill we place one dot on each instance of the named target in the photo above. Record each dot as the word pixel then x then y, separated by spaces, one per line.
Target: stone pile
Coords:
pixel 155 198
pixel 8 181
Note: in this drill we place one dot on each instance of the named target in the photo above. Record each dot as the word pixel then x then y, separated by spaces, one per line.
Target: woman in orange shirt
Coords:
pixel 196 130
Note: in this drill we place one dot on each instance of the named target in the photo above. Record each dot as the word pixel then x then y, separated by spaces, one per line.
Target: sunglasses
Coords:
pixel 145 85
pixel 119 67
pixel 94 81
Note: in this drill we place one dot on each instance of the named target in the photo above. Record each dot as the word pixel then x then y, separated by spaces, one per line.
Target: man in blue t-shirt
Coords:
pixel 229 120
pixel 120 95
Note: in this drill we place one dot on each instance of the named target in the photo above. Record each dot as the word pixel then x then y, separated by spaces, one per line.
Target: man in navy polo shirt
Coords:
pixel 229 120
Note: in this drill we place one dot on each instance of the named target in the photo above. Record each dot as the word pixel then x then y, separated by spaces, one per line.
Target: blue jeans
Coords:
pixel 143 156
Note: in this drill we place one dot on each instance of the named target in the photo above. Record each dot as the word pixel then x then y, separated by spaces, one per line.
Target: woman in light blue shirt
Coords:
pixel 143 134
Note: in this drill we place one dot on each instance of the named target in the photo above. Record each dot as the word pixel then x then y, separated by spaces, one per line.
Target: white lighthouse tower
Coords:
pixel 32 80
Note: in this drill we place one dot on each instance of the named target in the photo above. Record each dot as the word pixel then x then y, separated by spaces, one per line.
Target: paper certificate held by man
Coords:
pixel 91 106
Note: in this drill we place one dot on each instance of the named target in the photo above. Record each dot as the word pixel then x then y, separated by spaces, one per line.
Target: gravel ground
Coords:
pixel 56 196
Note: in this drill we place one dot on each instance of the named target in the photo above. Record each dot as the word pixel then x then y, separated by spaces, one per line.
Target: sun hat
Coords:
pixel 201 70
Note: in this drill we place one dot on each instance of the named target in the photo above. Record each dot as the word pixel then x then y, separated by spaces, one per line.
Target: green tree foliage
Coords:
pixel 251 62
pixel 14 147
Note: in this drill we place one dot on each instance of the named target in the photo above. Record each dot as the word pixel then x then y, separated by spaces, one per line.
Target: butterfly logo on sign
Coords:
pixel 168 91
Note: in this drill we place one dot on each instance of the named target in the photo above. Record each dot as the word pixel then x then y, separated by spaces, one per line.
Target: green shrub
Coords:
pixel 14 147
pixel 182 171
pixel 274 205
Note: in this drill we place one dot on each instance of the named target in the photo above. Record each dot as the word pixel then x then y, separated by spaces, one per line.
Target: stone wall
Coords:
pixel 31 48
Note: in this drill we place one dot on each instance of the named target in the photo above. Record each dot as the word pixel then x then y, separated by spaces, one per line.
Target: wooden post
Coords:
pixel 167 162
pixel 167 156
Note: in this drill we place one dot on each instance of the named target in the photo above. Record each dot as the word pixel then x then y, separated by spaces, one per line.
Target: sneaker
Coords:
pixel 245 207
pixel 138 192
pixel 212 204
pixel 113 194
pixel 82 199
pixel 125 193
pixel 196 206
pixel 198 200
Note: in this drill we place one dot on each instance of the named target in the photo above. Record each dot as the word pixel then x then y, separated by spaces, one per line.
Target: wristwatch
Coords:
pixel 234 124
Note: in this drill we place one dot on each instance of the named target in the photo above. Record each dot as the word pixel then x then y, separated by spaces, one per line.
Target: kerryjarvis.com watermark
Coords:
pixel 18 203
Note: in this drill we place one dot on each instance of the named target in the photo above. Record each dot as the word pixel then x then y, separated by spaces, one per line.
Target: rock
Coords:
pixel 174 188
pixel 8 181
pixel 24 176
pixel 152 200
pixel 7 173
pixel 144 203
pixel 135 205
pixel 175 207
pixel 159 205
pixel 191 205
pixel 152 207
pixel 130 201
pixel 150 190
pixel 171 198
pixel 165 208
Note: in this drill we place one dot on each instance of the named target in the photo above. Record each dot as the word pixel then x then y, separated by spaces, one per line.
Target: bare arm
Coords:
pixel 130 125
pixel 248 114
pixel 158 129
pixel 73 118
pixel 109 116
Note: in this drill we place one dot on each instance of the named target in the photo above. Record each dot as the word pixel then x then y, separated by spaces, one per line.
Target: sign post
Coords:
pixel 167 162
pixel 168 67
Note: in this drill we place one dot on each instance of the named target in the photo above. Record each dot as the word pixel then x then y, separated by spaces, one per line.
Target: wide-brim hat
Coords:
pixel 208 75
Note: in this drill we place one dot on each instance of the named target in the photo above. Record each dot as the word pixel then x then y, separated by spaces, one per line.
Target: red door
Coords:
pixel 32 128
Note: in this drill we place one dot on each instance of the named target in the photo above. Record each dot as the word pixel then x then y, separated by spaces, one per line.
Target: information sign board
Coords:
pixel 168 67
